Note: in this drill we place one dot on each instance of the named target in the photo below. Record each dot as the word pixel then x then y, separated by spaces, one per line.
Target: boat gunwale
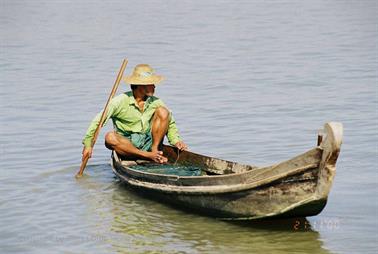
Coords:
pixel 208 189
pixel 205 177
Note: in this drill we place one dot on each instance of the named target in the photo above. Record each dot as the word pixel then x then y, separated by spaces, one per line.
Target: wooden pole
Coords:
pixel 103 116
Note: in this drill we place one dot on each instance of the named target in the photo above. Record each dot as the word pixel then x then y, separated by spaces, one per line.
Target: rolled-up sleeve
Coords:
pixel 112 109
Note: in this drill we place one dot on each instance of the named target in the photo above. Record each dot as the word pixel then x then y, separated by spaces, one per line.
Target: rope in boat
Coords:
pixel 178 156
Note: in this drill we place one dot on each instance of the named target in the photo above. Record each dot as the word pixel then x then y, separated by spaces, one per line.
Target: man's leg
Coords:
pixel 159 127
pixel 123 146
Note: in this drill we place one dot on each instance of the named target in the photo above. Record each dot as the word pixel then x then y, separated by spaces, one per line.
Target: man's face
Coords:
pixel 149 89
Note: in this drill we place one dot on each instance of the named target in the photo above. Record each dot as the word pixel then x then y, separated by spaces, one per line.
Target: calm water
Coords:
pixel 250 81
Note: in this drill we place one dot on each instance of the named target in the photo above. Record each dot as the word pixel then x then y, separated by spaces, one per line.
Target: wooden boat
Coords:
pixel 298 187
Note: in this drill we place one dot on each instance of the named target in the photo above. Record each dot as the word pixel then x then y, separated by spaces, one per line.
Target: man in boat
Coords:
pixel 140 120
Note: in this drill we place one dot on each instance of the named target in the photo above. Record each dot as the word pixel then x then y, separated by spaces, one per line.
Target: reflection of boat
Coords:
pixel 297 187
pixel 139 224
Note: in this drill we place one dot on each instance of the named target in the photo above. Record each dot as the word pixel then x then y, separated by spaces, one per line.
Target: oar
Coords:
pixel 103 116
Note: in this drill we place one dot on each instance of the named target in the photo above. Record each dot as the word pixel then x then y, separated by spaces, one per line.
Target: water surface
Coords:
pixel 248 81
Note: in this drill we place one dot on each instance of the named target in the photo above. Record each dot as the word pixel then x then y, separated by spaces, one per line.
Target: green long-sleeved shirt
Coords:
pixel 127 117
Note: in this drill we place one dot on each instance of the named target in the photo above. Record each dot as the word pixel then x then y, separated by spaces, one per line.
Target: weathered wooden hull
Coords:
pixel 298 187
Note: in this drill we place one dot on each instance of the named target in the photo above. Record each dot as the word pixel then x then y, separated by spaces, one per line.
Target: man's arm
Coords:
pixel 173 135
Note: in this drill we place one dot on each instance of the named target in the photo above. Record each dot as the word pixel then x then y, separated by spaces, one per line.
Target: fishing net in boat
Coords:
pixel 169 169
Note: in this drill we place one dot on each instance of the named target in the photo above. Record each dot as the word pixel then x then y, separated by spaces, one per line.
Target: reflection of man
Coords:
pixel 141 120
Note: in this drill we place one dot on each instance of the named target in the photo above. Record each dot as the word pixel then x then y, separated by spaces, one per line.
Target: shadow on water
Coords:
pixel 162 227
pixel 123 220
pixel 204 234
pixel 289 224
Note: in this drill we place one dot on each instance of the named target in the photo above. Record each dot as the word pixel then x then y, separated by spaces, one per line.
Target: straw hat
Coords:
pixel 143 74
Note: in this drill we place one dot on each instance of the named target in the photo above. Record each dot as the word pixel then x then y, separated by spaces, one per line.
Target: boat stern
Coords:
pixel 330 145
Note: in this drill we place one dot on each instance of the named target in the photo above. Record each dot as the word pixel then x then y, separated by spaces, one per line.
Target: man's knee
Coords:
pixel 162 113
pixel 111 140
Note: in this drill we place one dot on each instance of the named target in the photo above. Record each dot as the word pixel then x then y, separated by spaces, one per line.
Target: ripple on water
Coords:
pixel 254 89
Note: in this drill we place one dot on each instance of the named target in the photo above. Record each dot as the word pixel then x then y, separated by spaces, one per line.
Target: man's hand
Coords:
pixel 87 152
pixel 181 146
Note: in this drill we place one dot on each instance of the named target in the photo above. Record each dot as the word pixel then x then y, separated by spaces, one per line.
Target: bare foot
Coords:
pixel 157 156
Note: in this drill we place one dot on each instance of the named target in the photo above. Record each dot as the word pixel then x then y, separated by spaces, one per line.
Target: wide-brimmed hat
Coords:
pixel 143 74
